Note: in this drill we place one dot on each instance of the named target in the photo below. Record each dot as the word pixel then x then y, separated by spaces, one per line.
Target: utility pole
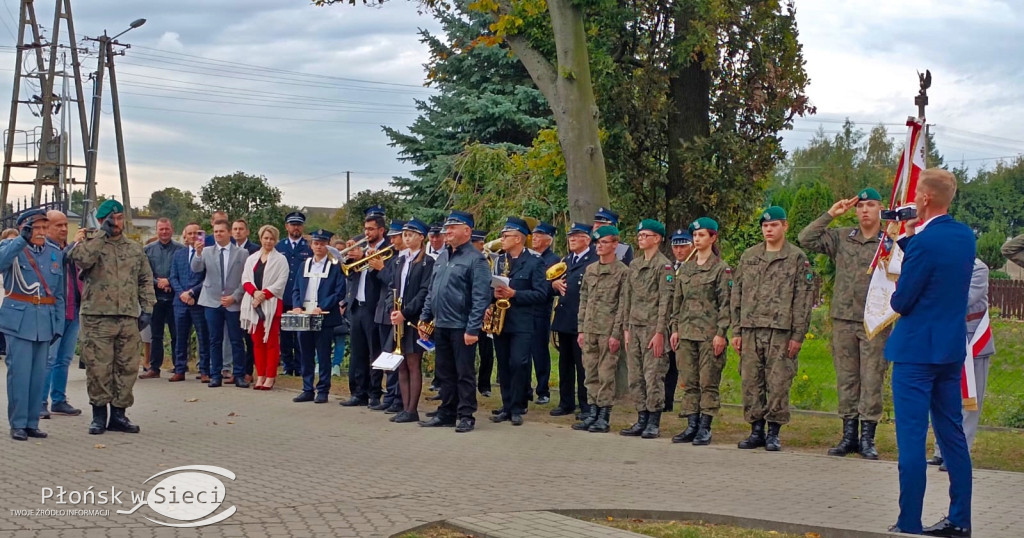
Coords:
pixel 348 187
pixel 45 152
pixel 105 61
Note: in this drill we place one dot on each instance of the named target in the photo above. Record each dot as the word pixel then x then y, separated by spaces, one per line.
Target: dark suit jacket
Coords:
pixel 931 295
pixel 417 285
pixel 567 310
pixel 328 294
pixel 374 285
pixel 249 246
pixel 184 278
pixel 526 276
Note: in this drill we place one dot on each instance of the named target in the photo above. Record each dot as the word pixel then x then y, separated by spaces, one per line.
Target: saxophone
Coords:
pixel 495 321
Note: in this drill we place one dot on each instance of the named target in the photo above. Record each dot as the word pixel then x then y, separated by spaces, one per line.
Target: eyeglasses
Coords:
pixel 370 229
pixel 646 235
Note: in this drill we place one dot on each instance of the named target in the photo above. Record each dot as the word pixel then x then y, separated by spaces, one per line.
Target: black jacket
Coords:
pixel 460 290
pixel 567 310
pixel 526 276
pixel 386 302
pixel 417 285
pixel 374 285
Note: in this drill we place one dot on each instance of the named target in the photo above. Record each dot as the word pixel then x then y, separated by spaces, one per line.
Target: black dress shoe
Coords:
pixel 379 407
pixel 945 527
pixel 373 402
pixel 240 383
pixel 560 412
pixel 19 434
pixel 943 467
pixel 353 402
pixel 321 397
pixel 395 408
pixel 935 460
pixel 214 383
pixel 501 417
pixel 305 396
pixel 437 422
pixel 517 419
pixel 34 433
pixel 496 411
pixel 406 416
pixel 434 398
pixel 465 425
pixel 543 400
pixel 431 414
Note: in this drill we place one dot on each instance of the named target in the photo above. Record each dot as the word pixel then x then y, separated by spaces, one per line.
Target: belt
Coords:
pixel 33 299
pixel 975 316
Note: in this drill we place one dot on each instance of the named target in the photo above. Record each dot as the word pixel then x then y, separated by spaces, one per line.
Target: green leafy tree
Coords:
pixel 990 249
pixel 245 196
pixel 173 203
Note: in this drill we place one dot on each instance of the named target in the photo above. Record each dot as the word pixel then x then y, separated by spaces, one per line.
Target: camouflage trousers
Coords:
pixel 701 372
pixel 599 365
pixel 111 348
pixel 645 372
pixel 860 370
pixel 767 374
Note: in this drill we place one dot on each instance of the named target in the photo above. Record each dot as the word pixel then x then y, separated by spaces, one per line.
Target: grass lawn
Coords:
pixel 692 529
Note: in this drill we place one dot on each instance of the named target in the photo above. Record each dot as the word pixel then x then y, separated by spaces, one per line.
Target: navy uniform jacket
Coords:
pixel 21 319
pixel 328 293
pixel 526 276
pixel 931 295
pixel 567 311
pixel 296 258
pixel 249 246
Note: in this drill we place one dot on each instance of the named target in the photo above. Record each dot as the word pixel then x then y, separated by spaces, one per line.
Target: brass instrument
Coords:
pixel 492 249
pixel 494 323
pixel 556 271
pixel 426 328
pixel 399 328
pixel 363 263
pixel 359 244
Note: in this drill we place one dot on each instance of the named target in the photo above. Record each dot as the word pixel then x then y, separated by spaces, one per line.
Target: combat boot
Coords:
pixel 638 427
pixel 848 444
pixel 99 420
pixel 653 429
pixel 691 429
pixel 772 442
pixel 703 436
pixel 601 424
pixel 119 422
pixel 867 440
pixel 756 438
pixel 587 417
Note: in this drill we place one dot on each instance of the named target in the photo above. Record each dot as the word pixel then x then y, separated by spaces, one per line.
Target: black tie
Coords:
pixel 191 254
pixel 223 277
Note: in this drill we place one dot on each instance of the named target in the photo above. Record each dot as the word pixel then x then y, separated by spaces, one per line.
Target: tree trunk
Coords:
pixel 570 93
pixel 689 118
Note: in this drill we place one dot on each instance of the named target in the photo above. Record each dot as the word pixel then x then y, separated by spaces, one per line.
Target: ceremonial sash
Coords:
pixel 968 384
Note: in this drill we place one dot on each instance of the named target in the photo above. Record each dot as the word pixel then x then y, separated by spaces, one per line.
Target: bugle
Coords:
pixel 363 263
pixel 359 244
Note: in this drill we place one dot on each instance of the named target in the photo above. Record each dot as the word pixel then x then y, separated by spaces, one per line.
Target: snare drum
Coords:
pixel 301 322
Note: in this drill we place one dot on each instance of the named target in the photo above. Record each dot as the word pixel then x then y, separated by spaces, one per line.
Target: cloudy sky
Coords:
pixel 298 93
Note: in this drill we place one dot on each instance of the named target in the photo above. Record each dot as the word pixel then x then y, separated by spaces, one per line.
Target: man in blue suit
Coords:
pixel 187 284
pixel 31 318
pixel 318 290
pixel 296 250
pixel 927 348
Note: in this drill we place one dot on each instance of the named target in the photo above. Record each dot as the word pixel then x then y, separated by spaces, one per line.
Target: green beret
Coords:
pixel 773 213
pixel 651 225
pixel 108 207
pixel 869 194
pixel 704 223
pixel 605 231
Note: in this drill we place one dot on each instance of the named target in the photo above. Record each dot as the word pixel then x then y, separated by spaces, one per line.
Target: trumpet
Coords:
pixel 556 271
pixel 399 328
pixel 359 244
pixel 363 263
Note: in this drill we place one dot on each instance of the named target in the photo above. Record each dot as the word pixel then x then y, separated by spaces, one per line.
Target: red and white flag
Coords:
pixel 968 383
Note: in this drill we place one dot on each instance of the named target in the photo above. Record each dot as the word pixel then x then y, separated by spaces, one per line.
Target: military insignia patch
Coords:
pixel 766 216
pixel 668 278
pixel 696 225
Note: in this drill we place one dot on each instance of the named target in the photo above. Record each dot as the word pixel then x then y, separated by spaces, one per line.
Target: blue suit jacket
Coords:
pixel 37 323
pixel 931 295
pixel 296 258
pixel 330 292
pixel 184 278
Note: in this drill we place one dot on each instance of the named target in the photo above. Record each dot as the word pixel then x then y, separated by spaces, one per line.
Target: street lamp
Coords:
pixel 105 53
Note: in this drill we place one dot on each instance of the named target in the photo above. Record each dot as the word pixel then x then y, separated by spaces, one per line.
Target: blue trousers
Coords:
pixel 216 320
pixel 339 349
pixel 26 373
pixel 315 351
pixel 61 353
pixel 917 391
pixel 185 319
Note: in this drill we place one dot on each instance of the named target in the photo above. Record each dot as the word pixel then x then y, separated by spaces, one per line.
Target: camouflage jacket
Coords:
pixel 852 254
pixel 647 293
pixel 1013 250
pixel 601 299
pixel 773 290
pixel 700 305
pixel 117 276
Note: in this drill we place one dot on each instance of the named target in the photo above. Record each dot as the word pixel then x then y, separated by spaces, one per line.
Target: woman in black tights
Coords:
pixel 410 281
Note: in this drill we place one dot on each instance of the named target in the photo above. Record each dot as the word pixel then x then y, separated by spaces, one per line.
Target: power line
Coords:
pixel 278 118
pixel 276 106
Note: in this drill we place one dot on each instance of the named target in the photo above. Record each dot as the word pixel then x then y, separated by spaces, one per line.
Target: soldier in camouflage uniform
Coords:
pixel 771 309
pixel 1013 250
pixel 859 360
pixel 644 310
pixel 600 327
pixel 117 303
pixel 700 322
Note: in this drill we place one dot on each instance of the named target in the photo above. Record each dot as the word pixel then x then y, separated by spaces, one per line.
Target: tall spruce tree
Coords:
pixel 484 96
